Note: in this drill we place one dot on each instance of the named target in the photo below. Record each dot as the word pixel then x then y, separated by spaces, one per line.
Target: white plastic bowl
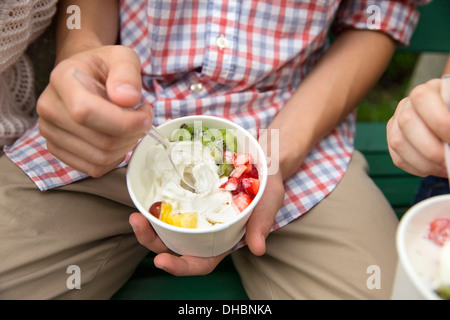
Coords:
pixel 408 284
pixel 197 242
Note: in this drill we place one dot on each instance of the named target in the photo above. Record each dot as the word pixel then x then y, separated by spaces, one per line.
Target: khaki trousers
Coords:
pixel 342 249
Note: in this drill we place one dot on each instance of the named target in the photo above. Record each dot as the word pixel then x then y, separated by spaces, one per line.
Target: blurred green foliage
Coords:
pixel 380 102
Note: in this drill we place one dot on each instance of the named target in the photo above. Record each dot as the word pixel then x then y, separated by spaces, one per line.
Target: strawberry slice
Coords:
pixel 230 185
pixel 238 189
pixel 242 201
pixel 250 172
pixel 439 231
pixel 238 171
pixel 251 186
pixel 241 159
pixel 228 157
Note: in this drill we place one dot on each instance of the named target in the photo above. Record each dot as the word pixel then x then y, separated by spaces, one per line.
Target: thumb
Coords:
pixel 257 231
pixel 124 81
pixel 262 219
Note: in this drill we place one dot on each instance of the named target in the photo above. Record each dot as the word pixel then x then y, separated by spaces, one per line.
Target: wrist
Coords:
pixel 285 150
pixel 68 49
pixel 99 27
pixel 292 155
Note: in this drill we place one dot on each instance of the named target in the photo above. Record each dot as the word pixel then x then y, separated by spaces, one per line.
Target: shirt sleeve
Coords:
pixel 397 18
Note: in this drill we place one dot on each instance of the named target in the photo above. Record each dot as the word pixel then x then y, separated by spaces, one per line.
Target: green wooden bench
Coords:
pixel 150 283
pixel 398 186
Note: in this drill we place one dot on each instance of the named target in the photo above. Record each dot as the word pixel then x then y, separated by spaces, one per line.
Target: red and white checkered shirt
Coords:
pixel 240 60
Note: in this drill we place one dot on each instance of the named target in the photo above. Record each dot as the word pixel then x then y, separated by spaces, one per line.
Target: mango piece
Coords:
pixel 183 220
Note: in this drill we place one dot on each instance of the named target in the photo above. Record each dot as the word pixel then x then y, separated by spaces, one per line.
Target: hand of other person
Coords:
pixel 418 129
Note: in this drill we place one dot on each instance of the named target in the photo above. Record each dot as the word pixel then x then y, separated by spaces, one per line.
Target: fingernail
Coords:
pixel 152 111
pixel 147 125
pixel 135 228
pixel 161 267
pixel 127 89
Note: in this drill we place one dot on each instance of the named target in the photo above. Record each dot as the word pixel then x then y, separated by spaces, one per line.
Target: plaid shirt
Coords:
pixel 240 60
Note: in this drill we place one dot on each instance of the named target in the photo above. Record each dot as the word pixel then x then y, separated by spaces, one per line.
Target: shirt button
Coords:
pixel 221 42
pixel 196 87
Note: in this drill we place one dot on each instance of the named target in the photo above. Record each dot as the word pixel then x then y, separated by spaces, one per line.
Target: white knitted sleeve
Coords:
pixel 17 100
pixel 21 22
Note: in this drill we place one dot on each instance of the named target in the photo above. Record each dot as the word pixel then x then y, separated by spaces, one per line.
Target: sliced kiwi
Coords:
pixel 225 169
pixel 444 292
pixel 217 140
pixel 181 134
pixel 195 131
pixel 216 149
pixel 229 140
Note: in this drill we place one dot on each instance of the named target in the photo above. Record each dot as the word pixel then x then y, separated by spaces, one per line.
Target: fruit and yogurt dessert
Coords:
pixel 430 255
pixel 225 181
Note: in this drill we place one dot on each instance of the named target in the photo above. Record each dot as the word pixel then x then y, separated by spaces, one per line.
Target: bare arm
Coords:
pixel 333 88
pixel 345 73
pixel 100 25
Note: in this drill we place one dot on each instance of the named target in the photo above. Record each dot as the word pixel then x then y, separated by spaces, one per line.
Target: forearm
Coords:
pixel 331 90
pixel 99 26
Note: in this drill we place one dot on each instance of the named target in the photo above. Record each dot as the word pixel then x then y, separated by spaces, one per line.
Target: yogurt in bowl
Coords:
pixel 423 269
pixel 229 170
